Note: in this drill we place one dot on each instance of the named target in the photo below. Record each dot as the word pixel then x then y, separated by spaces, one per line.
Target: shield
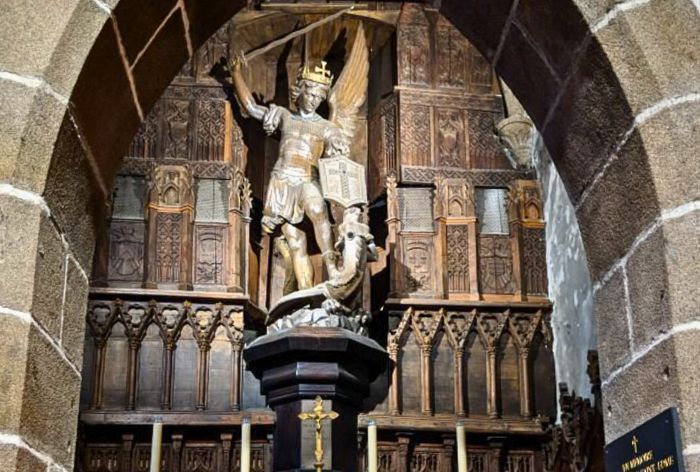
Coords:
pixel 343 181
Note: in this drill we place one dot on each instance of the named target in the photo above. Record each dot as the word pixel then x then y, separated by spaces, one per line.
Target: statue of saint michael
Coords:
pixel 294 190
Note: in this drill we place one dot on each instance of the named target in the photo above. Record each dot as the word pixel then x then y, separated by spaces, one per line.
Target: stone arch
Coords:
pixel 611 85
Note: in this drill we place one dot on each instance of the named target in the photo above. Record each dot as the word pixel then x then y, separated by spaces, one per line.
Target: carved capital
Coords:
pixel 516 133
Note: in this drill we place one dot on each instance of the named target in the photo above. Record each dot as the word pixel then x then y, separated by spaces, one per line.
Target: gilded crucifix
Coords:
pixel 318 415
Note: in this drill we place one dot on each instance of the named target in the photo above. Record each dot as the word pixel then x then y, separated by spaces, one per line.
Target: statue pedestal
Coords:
pixel 295 366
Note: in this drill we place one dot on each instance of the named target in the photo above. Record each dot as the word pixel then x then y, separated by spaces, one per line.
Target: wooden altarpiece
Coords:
pixel 183 275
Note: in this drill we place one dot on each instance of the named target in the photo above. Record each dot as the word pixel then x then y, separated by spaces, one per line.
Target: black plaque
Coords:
pixel 651 447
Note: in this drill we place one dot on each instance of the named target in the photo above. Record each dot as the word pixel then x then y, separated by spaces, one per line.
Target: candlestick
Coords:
pixel 461 448
pixel 245 445
pixel 156 441
pixel 372 446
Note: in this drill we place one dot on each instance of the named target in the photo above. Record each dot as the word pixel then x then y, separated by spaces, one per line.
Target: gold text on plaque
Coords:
pixel 318 415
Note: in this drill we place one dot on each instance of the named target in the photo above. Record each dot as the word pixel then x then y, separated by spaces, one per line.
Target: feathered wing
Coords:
pixel 348 94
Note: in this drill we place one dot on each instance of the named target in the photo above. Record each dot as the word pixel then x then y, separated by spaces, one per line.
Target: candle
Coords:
pixel 372 446
pixel 156 441
pixel 245 445
pixel 461 448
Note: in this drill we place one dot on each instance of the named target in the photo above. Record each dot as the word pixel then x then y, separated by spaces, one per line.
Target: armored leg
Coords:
pixel 303 270
pixel 315 208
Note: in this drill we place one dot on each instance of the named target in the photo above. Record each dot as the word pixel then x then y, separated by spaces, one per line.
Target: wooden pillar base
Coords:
pixel 299 364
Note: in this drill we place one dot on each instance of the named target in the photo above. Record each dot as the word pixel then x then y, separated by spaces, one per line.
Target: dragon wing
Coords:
pixel 348 94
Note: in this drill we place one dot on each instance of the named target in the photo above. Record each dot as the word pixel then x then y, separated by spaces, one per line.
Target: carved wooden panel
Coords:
pixel 220 358
pixel 534 261
pixel 410 362
pixel 200 458
pixel 150 370
pixel 484 150
pixel 114 384
pixel 458 258
pixel 452 55
pixel 212 200
pixel 141 458
pixel 126 250
pixel 129 197
pixel 415 135
pixel 168 247
pixel 211 52
pixel 210 130
pixel 382 145
pixel 419 260
pixel 102 458
pixel 451 138
pixel 495 264
pixel 210 244
pixel 185 376
pixel 520 462
pixel 414 46
pixel 480 72
pixel 475 366
pixel 443 379
pixel 508 377
pixel 176 135
pixel 145 143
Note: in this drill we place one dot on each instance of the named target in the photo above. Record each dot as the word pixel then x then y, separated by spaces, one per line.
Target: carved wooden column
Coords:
pixel 204 321
pixel 459 325
pixel 135 319
pixel 393 223
pixel 170 321
pixel 175 455
pixel 394 343
pixel 100 319
pixel 425 327
pixel 523 328
pixel 127 448
pixel 238 232
pixel 515 226
pixel 234 331
pixel 226 441
pixel 472 233
pixel 404 451
pixel 490 327
pixel 170 220
pixel 440 215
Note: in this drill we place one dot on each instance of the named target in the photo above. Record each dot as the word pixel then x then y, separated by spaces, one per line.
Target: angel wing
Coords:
pixel 348 94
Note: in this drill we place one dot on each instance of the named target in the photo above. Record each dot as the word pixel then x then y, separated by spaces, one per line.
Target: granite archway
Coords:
pixel 612 87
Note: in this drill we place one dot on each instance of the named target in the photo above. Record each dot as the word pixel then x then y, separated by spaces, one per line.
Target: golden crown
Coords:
pixel 319 75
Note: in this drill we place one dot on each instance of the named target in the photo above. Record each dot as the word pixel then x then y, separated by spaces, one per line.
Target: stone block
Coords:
pixel 19 232
pixel 682 254
pixel 557 27
pixel 50 401
pixel 16 459
pixel 618 208
pixel 589 122
pixel 139 21
pixel 74 310
pixel 593 10
pixel 76 200
pixel 610 311
pixel 687 348
pixel 74 45
pixel 30 120
pixel 104 104
pixel 642 391
pixel 206 18
pixel 672 145
pixel 525 72
pixel 29 43
pixel 653 49
pixel 13 355
pixel 160 62
pixel 49 277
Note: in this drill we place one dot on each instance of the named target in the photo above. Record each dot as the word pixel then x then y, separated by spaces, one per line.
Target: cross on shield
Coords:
pixel 343 181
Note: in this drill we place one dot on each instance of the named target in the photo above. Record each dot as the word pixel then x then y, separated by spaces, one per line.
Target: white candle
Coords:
pixel 371 446
pixel 245 445
pixel 156 442
pixel 461 448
